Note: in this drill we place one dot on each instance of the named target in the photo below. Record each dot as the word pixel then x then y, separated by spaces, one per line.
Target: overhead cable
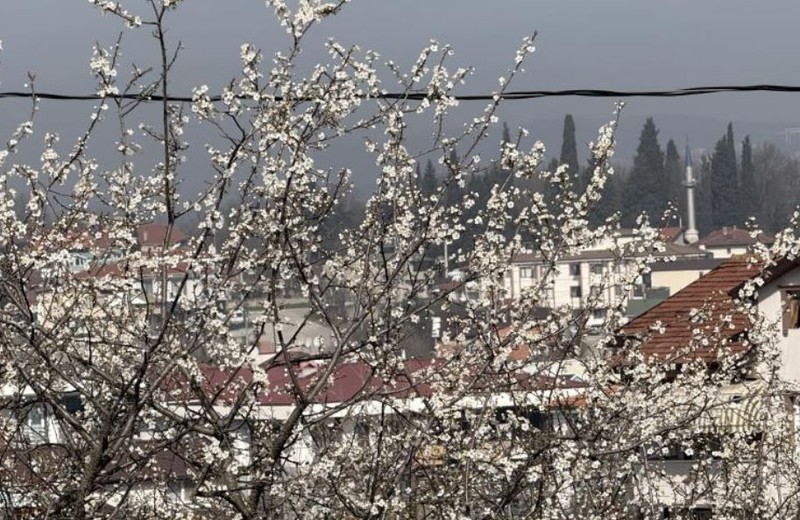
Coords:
pixel 419 96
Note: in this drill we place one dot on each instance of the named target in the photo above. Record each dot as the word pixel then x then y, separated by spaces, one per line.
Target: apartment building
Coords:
pixel 592 278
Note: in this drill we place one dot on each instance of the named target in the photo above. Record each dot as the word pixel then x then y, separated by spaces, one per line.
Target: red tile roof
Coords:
pixel 670 234
pixel 120 269
pixel 705 307
pixel 155 235
pixel 670 249
pixel 733 236
pixel 358 380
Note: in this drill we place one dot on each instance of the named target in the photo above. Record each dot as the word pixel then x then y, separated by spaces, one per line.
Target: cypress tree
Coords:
pixel 428 181
pixel 750 201
pixel 496 173
pixel 724 182
pixel 506 134
pixel 548 189
pixel 569 149
pixel 611 200
pixel 702 197
pixel 644 188
pixel 674 174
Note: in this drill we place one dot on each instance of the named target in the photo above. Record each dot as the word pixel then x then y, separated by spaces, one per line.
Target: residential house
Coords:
pixel 350 408
pixel 155 237
pixel 729 241
pixel 704 323
pixel 91 249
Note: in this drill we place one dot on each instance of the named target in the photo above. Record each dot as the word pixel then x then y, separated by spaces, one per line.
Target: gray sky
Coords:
pixel 582 43
pixel 622 44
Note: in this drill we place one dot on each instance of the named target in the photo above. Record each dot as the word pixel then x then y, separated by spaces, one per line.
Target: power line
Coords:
pixel 418 96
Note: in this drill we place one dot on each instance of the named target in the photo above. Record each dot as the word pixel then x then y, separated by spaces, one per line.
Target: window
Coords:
pixel 519 419
pixel 599 314
pixel 526 272
pixel 147 286
pixel 72 402
pixel 696 448
pixel 361 429
pixel 596 268
pixel 36 417
pixel 791 309
pixel 693 513
pixel 701 513
pixel 436 327
pixel 575 269
pixel 35 423
pixel 182 490
pixel 575 291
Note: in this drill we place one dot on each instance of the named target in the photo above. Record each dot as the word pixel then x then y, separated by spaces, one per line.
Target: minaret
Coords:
pixel 691 235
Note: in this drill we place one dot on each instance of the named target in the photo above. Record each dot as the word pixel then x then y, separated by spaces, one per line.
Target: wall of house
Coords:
pixel 726 251
pixel 675 280
pixel 771 306
pixel 192 289
pixel 567 283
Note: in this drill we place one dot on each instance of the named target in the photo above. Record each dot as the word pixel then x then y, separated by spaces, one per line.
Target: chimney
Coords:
pixel 691 235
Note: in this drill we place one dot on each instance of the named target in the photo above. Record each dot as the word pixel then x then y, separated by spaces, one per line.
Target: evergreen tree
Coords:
pixel 644 190
pixel 569 157
pixel 702 197
pixel 778 182
pixel 548 189
pixel 428 181
pixel 611 200
pixel 506 134
pixel 724 182
pixel 569 148
pixel 552 165
pixel 674 175
pixel 750 202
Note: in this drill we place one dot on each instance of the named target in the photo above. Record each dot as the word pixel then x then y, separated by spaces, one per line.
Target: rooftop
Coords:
pixel 733 236
pixel 670 250
pixel 154 234
pixel 671 234
pixel 681 322
pixel 357 380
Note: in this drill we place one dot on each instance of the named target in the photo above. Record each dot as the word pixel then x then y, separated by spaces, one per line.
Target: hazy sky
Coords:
pixel 582 43
pixel 620 44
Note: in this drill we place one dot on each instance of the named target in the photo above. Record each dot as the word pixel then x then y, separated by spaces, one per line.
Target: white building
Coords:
pixel 729 241
pixel 594 275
